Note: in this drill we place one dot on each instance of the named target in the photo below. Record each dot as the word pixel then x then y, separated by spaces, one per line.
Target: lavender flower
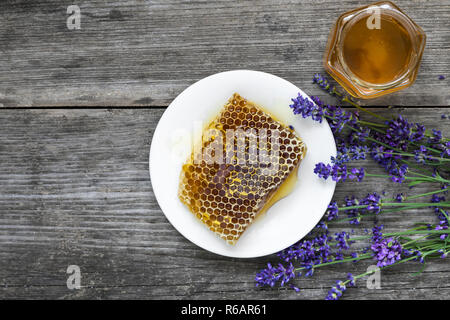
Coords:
pixel 436 137
pixel 338 172
pixel 443 225
pixel 351 279
pixel 352 213
pixel 421 155
pixel 381 154
pixel 418 133
pixel 419 256
pixel 339 118
pixel 385 158
pixel 322 170
pixel 437 198
pixel 342 240
pixel 399 197
pixel 347 153
pixel 332 211
pixel 397 172
pixel 359 136
pixel 271 275
pixel 386 251
pixel 316 110
pixel 445 150
pixel 336 292
pixel 373 202
pixel 322 225
pixel 307 108
pixel 308 252
pixel 296 289
pixel 339 255
pixel 357 174
pixel 377 235
pixel 323 83
pixel 443 253
pixel 398 133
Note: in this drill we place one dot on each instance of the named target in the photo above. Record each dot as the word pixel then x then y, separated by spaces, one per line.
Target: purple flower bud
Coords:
pixel 336 292
pixel 386 251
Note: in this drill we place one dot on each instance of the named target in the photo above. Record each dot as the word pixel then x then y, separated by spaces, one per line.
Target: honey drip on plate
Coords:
pixel 283 191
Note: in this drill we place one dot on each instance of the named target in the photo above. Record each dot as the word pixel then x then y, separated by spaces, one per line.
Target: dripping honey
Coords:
pixel 283 191
pixel 375 55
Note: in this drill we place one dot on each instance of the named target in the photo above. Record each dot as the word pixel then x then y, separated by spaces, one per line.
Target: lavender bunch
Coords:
pixel 386 250
pixel 409 153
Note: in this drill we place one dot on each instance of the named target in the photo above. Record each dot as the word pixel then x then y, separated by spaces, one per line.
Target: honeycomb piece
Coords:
pixel 228 181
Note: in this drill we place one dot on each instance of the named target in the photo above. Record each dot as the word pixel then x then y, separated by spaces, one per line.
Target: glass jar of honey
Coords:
pixel 374 50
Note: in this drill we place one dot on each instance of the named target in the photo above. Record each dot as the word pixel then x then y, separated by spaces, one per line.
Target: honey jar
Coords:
pixel 374 50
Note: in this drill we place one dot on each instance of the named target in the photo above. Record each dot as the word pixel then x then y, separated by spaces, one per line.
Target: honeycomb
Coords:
pixel 229 193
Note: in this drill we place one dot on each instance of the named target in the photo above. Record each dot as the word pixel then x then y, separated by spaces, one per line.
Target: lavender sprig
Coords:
pixel 387 250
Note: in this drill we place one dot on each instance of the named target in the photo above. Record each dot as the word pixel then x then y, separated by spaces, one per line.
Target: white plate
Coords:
pixel 286 222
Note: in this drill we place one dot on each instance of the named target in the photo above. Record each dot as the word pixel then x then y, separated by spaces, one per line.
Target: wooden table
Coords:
pixel 79 111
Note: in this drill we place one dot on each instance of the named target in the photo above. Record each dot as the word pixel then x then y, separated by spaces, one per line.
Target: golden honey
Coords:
pixel 377 55
pixel 374 50
pixel 229 193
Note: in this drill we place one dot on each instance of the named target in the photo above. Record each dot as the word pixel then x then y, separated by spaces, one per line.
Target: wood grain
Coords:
pixel 144 53
pixel 75 189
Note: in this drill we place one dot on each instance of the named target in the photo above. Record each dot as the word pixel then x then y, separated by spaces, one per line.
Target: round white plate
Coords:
pixel 286 222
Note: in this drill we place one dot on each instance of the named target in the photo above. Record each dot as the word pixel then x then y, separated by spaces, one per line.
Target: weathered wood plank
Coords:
pixel 75 189
pixel 134 53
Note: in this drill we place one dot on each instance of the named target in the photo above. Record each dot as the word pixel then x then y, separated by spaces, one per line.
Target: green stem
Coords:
pixel 361 257
pixel 426 194
pixel 346 99
pixel 416 205
pixel 413 241
pixel 373 214
pixel 420 177
pixel 409 232
pixel 387 211
pixel 428 177
pixel 410 205
pixel 393 234
pixel 367 123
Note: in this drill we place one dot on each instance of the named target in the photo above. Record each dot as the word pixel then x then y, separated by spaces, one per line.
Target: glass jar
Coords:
pixel 374 50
